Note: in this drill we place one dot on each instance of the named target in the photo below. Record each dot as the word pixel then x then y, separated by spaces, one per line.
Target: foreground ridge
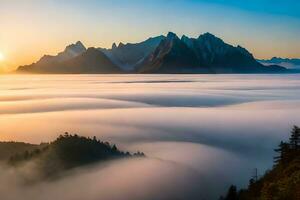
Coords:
pixel 282 182
pixel 67 152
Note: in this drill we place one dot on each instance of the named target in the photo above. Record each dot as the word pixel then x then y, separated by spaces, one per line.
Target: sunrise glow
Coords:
pixel 149 100
pixel 53 25
pixel 2 57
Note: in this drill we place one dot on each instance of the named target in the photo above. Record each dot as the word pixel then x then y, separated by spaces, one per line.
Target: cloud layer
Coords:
pixel 200 133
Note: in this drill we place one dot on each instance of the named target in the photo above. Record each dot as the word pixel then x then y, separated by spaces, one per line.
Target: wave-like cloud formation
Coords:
pixel 203 131
pixel 131 179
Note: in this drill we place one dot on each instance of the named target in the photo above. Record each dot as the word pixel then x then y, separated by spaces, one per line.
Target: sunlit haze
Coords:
pixel 202 131
pixel 149 100
pixel 1 57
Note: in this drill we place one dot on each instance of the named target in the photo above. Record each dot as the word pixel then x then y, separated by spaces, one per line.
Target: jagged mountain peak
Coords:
pixel 210 38
pixel 188 41
pixel 114 46
pixel 208 35
pixel 184 37
pixel 78 46
pixel 160 37
pixel 79 43
pixel 71 51
pixel 121 45
pixel 172 36
pixel 161 54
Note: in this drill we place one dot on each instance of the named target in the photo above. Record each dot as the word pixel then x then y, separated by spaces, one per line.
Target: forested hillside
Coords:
pixel 67 152
pixel 280 183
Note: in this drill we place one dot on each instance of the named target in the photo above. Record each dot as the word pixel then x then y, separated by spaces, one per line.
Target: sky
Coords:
pixel 32 28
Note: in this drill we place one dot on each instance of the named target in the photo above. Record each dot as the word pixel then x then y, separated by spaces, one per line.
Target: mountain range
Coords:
pixel 293 63
pixel 161 54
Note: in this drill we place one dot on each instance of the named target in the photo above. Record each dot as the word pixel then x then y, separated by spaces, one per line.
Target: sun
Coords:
pixel 1 56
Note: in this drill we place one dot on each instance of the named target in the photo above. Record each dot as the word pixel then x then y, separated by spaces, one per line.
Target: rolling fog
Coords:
pixel 200 133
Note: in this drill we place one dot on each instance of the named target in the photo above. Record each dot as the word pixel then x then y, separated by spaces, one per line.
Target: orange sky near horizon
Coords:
pixel 18 52
pixel 32 29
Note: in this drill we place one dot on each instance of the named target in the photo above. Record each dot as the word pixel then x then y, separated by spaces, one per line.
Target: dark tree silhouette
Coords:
pixel 70 151
pixel 282 182
pixel 295 138
pixel 283 151
pixel 232 193
pixel 288 151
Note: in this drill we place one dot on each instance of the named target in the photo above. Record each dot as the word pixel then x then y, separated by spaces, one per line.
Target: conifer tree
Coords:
pixel 295 138
pixel 232 193
pixel 283 151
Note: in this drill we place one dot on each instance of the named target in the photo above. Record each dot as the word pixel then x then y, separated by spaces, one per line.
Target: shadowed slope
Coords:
pixel 128 56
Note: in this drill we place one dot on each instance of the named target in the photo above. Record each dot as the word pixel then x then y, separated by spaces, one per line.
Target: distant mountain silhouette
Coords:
pixel 47 62
pixel 206 54
pixel 68 152
pixel 293 63
pixel 170 54
pixel 128 56
pixel 71 51
pixel 90 61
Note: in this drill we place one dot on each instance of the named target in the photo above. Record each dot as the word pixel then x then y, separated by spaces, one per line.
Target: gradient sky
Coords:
pixel 32 28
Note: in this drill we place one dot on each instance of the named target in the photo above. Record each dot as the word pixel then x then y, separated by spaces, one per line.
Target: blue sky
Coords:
pixel 266 28
pixel 277 7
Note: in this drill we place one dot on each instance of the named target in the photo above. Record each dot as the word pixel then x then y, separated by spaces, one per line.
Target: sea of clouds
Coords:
pixel 200 133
